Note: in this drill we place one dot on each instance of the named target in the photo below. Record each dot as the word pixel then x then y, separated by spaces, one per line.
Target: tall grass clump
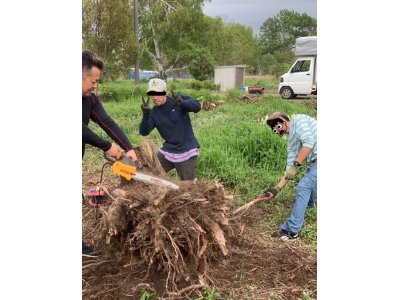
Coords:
pixel 203 95
pixel 268 83
pixel 119 90
pixel 205 84
pixel 246 157
pixel 239 149
pixel 190 84
pixel 233 95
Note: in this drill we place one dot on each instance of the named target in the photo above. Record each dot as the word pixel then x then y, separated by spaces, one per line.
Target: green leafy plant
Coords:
pixel 210 294
pixel 306 296
pixel 147 295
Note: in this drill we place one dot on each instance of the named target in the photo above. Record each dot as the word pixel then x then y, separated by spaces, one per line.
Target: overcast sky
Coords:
pixel 253 13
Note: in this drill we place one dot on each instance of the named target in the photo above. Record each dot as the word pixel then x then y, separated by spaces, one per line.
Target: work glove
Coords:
pixel 291 172
pixel 178 99
pixel 272 190
pixel 145 106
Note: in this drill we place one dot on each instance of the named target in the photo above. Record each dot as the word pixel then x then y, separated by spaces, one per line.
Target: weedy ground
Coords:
pixel 241 155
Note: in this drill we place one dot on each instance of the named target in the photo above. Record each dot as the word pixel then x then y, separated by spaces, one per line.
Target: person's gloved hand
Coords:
pixel 291 172
pixel 145 107
pixel 271 191
pixel 178 99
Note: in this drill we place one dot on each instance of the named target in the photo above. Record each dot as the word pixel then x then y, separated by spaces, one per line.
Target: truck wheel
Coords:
pixel 287 93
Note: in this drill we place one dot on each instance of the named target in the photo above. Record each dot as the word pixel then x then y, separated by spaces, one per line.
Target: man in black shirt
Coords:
pixel 92 65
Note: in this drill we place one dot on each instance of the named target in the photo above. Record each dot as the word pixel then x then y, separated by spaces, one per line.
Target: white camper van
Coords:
pixel 301 79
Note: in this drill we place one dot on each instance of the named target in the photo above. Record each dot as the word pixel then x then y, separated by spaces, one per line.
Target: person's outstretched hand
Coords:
pixel 145 106
pixel 178 99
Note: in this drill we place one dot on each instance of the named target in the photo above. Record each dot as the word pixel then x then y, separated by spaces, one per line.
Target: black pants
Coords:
pixel 185 169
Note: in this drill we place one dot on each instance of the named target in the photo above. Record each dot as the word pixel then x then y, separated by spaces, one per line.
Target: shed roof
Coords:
pixel 234 66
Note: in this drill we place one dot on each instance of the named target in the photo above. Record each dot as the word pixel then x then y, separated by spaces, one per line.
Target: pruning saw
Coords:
pixel 245 207
pixel 126 168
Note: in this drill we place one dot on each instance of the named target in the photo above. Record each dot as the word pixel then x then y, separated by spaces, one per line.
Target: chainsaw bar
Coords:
pixel 155 181
pixel 126 168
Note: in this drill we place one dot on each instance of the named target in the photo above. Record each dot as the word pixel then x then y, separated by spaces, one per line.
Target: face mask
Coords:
pixel 279 129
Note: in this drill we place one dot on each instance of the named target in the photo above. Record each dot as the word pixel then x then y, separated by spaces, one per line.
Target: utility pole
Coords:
pixel 137 61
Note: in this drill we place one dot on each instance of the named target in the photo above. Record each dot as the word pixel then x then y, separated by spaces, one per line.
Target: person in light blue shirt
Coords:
pixel 302 148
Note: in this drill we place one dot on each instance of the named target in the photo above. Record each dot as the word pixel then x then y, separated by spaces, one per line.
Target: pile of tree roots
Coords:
pixel 174 232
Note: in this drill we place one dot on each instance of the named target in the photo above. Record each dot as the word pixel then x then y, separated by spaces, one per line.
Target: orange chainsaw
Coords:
pixel 126 168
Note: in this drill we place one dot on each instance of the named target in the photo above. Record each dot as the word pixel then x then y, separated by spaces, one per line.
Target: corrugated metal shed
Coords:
pixel 229 77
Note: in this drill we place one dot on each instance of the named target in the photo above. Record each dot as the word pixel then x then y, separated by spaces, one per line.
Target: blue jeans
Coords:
pixel 306 195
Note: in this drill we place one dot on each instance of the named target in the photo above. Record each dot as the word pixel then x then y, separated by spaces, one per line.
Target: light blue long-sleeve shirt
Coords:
pixel 303 133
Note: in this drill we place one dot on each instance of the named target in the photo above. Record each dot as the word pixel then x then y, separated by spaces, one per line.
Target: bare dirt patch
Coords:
pixel 176 243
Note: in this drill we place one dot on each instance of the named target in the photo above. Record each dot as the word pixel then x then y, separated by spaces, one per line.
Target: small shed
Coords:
pixel 229 77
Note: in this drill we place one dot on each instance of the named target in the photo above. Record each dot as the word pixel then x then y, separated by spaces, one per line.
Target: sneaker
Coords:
pixel 285 235
pixel 88 251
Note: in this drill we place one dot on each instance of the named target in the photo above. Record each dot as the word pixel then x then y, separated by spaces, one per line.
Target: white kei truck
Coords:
pixel 301 79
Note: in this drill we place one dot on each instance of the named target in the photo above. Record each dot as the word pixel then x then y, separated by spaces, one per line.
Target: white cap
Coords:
pixel 157 85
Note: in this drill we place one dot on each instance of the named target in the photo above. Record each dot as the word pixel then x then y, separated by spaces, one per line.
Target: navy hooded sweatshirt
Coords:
pixel 173 123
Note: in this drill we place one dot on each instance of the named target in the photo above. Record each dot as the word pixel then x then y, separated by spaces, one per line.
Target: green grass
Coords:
pixel 212 294
pixel 271 84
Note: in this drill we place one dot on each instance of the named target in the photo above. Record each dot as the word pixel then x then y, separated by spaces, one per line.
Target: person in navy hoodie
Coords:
pixel 170 116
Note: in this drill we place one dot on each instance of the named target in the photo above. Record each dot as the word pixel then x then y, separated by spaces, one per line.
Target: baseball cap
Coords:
pixel 157 85
pixel 275 117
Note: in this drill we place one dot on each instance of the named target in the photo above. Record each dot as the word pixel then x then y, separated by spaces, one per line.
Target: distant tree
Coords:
pixel 229 44
pixel 211 37
pixel 200 62
pixel 107 29
pixel 238 44
pixel 170 27
pixel 281 31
